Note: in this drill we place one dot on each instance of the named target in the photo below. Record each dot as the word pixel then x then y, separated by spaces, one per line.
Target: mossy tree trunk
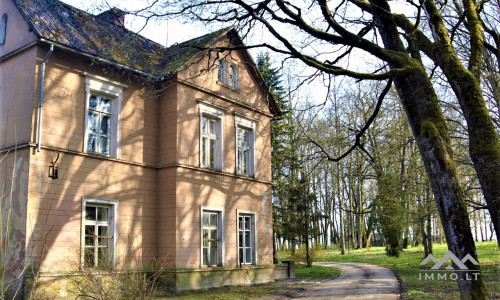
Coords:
pixel 432 137
pixel 484 144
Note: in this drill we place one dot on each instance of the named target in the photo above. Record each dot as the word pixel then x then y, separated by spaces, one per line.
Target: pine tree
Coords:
pixel 283 156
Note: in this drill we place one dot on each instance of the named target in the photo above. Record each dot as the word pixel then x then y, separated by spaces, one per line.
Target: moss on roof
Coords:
pixel 90 34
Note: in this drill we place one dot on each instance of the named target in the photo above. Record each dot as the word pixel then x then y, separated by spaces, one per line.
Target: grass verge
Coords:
pixel 309 277
pixel 316 272
pixel 407 266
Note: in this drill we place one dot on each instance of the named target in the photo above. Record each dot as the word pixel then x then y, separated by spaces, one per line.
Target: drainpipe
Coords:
pixel 42 81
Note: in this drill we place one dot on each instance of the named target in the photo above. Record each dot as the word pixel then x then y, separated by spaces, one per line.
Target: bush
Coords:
pixel 301 255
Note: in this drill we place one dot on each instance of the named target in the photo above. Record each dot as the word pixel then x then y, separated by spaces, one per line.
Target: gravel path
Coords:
pixel 357 281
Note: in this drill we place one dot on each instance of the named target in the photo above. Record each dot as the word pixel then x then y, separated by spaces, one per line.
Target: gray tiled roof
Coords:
pixel 93 35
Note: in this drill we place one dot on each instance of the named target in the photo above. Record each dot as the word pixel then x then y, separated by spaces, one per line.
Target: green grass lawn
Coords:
pixel 407 267
pixel 316 272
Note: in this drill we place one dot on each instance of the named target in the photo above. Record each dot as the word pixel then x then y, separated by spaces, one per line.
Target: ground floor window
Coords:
pixel 212 237
pixel 99 233
pixel 246 238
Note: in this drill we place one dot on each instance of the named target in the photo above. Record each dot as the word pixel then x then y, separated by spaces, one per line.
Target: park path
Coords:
pixel 357 281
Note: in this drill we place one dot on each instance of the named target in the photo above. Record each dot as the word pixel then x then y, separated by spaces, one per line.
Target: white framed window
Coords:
pixel 233 77
pixel 102 115
pixel 245 146
pixel 227 74
pixel 211 136
pixel 222 71
pixel 3 29
pixel 212 237
pixel 99 228
pixel 247 237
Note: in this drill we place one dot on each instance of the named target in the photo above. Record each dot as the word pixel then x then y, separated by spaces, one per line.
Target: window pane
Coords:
pixel 247 223
pixel 213 234
pixel 92 122
pixel 90 212
pixel 93 101
pixel 212 154
pixel 204 152
pixel 105 105
pixel 248 258
pixel 221 71
pixel 247 239
pixel 88 257
pixel 204 125
pixel 231 76
pixel 105 124
pixel 213 219
pixel 246 137
pixel 89 235
pixel 102 213
pixel 213 256
pixel 104 145
pixel 212 124
pixel 240 222
pixel 205 256
pixel 240 239
pixel 246 159
pixel 103 232
pixel 91 143
pixel 205 237
pixel 206 218
pixel 103 257
pixel 241 255
pixel 238 161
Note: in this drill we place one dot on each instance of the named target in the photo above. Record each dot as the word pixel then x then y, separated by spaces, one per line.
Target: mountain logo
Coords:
pixel 449 255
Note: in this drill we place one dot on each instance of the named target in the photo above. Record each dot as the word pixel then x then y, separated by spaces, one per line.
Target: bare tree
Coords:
pixel 326 36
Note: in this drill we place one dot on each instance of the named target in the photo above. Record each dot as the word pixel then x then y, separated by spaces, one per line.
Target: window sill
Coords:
pixel 228 87
pixel 245 175
pixel 99 154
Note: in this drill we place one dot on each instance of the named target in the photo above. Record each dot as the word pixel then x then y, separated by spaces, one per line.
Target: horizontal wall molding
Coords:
pixel 144 165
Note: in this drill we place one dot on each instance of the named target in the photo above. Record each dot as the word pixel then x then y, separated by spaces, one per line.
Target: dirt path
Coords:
pixel 357 281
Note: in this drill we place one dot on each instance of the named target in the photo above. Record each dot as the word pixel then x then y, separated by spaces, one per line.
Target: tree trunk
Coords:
pixel 429 220
pixel 341 217
pixel 433 140
pixel 484 143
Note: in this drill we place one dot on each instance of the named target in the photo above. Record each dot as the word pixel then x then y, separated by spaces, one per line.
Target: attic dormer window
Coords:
pixel 3 29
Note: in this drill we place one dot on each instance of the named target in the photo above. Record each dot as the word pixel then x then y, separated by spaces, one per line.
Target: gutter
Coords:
pixel 40 105
pixel 17 51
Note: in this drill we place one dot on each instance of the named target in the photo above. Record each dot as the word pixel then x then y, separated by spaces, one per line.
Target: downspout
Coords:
pixel 40 105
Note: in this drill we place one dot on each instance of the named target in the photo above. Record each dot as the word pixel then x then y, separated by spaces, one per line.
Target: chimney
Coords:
pixel 114 15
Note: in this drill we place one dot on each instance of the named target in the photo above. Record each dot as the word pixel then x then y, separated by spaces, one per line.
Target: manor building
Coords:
pixel 119 152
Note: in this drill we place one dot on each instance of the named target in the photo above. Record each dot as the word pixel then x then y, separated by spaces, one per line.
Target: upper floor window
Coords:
pixel 245 146
pixel 99 124
pixel 99 233
pixel 102 116
pixel 227 75
pixel 3 29
pixel 211 136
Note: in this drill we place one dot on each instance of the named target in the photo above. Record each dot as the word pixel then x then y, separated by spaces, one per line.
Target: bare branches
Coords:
pixel 361 132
